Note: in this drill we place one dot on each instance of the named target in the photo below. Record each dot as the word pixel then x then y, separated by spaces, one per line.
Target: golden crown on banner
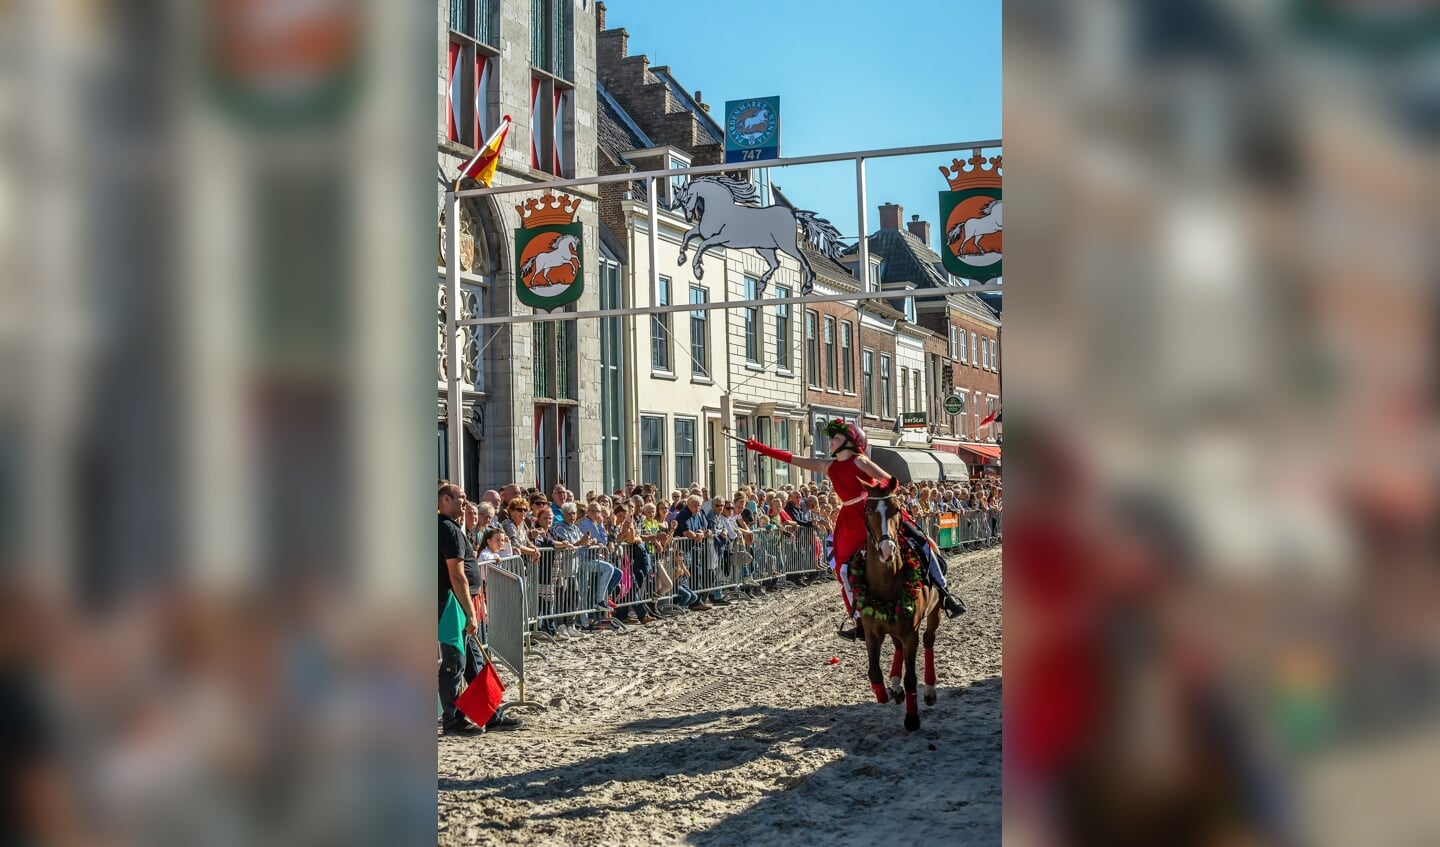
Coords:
pixel 978 176
pixel 550 210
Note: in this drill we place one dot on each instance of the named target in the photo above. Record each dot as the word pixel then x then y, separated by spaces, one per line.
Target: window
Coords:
pixel 685 451
pixel 867 380
pixel 847 356
pixel 782 440
pixel 829 352
pixel 699 334
pixel 552 126
pixel 742 456
pixel 660 329
pixel 475 19
pixel 975 410
pixel 875 276
pixel 678 180
pixel 763 477
pixel 904 389
pixel 812 348
pixel 915 387
pixel 783 359
pixel 974 350
pixel 551 359
pixel 652 450
pixel 612 377
pixel 471 72
pixel 995 355
pixel 910 309
pixel 954 342
pixel 886 398
pixel 550 32
pixel 964 356
pixel 752 324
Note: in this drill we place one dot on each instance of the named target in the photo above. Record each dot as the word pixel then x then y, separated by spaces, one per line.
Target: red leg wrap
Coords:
pixel 929 665
pixel 897 663
pixel 912 703
pixel 881 695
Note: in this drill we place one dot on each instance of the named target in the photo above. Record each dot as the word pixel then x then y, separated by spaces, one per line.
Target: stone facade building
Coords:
pixel 529 406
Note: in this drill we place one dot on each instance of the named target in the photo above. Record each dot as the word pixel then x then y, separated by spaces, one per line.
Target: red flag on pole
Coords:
pixel 482 165
pixel 990 418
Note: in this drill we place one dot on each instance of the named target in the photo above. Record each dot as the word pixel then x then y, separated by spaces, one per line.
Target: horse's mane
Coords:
pixel 741 191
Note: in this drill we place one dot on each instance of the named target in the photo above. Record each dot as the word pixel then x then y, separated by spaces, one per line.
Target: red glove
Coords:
pixel 766 450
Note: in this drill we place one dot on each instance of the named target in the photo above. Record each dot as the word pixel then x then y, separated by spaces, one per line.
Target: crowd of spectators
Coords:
pixel 664 541
pixel 662 537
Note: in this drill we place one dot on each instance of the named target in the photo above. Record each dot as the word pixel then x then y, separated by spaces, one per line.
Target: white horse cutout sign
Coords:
pixel 727 213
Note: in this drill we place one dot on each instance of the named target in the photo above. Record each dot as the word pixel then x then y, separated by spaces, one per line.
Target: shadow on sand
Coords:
pixel 942 780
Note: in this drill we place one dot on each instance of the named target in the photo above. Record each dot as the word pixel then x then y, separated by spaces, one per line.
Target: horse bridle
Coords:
pixel 885 523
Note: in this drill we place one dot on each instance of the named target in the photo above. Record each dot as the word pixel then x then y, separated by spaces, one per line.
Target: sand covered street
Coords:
pixel 731 727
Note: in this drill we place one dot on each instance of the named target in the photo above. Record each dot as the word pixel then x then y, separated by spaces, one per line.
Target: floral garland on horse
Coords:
pixel 903 607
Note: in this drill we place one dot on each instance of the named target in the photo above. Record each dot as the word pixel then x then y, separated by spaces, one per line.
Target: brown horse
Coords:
pixel 886 576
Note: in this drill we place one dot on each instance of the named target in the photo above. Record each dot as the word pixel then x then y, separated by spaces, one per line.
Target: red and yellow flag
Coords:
pixel 481 167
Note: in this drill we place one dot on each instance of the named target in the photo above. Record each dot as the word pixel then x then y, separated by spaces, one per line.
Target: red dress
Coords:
pixel 849 482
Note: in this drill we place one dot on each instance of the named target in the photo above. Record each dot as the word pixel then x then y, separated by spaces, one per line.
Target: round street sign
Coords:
pixel 953 405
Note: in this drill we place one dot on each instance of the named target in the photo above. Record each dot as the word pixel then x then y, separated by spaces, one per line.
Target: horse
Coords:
pixel 888 579
pixel 990 221
pixel 759 119
pixel 560 254
pixel 727 213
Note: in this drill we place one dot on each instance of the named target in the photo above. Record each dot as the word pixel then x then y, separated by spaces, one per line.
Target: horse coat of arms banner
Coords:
pixel 549 253
pixel 970 217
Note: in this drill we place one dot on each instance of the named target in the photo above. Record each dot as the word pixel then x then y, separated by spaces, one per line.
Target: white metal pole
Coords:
pixel 654 218
pixel 454 399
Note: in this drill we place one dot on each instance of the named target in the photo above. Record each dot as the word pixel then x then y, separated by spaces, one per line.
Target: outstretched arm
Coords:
pixel 816 465
pixel 878 473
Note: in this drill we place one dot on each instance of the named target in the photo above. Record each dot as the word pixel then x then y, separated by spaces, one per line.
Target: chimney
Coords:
pixel 704 107
pixel 599 17
pixel 890 215
pixel 920 229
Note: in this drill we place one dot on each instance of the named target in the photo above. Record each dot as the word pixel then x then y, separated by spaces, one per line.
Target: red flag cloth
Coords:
pixel 990 418
pixel 482 697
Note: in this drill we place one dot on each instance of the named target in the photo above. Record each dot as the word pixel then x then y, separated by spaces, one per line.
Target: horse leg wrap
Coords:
pixel 896 664
pixel 912 703
pixel 929 665
pixel 881 695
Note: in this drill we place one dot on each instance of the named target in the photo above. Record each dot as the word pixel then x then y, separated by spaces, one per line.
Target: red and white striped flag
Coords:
pixel 481 167
pixel 992 417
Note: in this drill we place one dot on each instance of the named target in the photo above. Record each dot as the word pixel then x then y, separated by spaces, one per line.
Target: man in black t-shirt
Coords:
pixel 454 578
pixel 459 574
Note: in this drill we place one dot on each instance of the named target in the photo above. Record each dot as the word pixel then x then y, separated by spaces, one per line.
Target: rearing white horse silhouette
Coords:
pixel 560 254
pixel 727 213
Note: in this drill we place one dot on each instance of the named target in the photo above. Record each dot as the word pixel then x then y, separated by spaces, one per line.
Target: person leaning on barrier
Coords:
pixel 627 533
pixel 602 576
pixel 691 524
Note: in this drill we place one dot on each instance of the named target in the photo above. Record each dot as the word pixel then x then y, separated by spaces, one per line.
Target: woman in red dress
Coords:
pixel 849 470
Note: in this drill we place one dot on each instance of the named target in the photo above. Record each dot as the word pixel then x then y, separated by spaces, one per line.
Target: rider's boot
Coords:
pixel 950 603
pixel 853 633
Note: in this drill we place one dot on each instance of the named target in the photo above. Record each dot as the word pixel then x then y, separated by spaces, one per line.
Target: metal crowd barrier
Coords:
pixel 963 530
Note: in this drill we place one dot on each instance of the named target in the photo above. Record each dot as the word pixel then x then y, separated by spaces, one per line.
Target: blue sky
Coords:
pixel 850 75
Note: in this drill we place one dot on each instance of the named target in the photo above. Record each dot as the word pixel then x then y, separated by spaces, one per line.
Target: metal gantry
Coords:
pixel 453 274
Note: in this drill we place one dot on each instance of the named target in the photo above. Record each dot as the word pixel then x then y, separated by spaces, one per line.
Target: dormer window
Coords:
pixel 671 162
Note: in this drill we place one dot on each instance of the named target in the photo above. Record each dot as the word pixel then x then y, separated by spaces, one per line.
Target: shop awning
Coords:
pixel 984 451
pixel 912 464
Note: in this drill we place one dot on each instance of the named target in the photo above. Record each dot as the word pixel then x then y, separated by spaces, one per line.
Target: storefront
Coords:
pixel 983 459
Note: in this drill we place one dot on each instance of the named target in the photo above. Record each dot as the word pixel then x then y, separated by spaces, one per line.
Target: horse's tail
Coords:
pixel 820 233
